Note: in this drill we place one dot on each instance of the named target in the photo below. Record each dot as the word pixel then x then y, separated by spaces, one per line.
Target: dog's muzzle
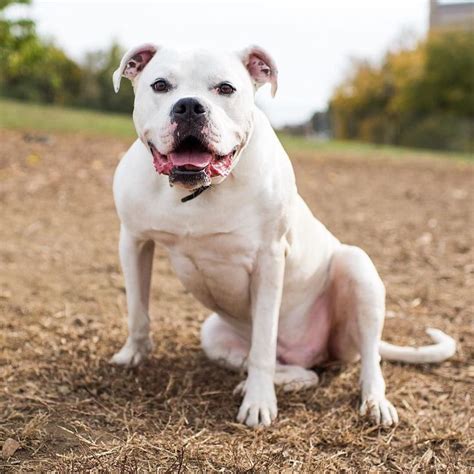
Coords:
pixel 192 164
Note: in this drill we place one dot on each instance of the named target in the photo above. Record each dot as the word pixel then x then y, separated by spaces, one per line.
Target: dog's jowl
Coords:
pixel 208 179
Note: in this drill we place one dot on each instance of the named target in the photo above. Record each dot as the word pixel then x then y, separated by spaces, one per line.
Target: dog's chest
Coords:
pixel 216 268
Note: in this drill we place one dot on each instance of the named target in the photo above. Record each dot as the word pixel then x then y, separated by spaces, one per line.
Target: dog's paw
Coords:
pixel 293 378
pixel 132 353
pixel 259 406
pixel 380 411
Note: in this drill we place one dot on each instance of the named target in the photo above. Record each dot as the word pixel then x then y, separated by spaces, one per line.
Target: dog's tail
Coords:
pixel 444 348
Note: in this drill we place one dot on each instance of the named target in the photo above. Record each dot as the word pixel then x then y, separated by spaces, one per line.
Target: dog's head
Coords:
pixel 194 110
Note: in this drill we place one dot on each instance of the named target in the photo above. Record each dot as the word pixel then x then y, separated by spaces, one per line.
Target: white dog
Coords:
pixel 209 180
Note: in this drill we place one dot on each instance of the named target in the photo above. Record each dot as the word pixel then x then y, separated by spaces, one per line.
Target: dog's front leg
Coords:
pixel 259 405
pixel 136 257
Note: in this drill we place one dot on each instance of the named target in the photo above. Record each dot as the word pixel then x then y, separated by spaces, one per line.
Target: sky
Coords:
pixel 312 41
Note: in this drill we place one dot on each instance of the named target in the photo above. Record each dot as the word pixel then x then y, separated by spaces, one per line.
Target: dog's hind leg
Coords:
pixel 358 301
pixel 293 378
pixel 224 346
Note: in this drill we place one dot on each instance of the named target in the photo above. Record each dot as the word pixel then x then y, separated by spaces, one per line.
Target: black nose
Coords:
pixel 188 109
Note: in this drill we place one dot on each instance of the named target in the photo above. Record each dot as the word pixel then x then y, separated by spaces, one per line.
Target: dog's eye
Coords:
pixel 225 88
pixel 161 85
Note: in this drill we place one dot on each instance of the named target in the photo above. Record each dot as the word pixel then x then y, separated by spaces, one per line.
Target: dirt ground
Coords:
pixel 63 316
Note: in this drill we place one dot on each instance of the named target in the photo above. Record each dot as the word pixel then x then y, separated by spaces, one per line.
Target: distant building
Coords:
pixel 451 15
pixel 318 126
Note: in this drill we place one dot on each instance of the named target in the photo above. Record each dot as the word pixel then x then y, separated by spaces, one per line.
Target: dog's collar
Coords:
pixel 195 193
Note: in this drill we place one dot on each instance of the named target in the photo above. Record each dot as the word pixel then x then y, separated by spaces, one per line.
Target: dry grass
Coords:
pixel 62 317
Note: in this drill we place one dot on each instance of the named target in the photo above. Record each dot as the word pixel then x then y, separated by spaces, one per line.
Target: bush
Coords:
pixel 418 97
pixel 41 72
pixel 446 132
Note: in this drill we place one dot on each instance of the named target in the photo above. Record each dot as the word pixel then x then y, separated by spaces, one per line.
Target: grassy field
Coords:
pixel 24 116
pixel 50 118
pixel 63 307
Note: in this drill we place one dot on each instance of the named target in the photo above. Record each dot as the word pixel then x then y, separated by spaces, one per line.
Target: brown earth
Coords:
pixel 63 316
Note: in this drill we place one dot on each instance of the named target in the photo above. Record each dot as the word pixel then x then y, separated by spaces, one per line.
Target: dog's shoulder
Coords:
pixel 136 185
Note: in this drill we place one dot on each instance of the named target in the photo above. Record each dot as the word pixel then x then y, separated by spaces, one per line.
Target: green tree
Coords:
pixel 97 91
pixel 13 33
pixel 31 68
pixel 447 81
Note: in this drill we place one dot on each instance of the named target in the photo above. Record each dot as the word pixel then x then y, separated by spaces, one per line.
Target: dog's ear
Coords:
pixel 261 67
pixel 133 63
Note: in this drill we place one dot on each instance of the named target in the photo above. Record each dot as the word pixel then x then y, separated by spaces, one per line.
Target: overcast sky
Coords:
pixel 312 41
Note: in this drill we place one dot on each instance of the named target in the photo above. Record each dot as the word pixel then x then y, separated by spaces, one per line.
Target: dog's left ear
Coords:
pixel 133 63
pixel 261 67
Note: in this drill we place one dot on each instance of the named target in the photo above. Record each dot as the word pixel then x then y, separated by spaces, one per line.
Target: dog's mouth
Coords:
pixel 192 163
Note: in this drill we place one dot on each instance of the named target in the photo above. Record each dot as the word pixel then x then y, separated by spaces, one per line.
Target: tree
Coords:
pixel 33 69
pixel 97 91
pixel 13 33
pixel 420 96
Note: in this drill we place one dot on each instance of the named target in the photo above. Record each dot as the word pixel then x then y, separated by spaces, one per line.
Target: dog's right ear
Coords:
pixel 133 63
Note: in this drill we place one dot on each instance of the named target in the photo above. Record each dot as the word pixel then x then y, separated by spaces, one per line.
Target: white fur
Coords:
pixel 248 248
pixel 444 348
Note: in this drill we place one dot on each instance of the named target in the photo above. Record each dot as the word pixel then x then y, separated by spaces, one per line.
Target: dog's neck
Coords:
pixel 253 160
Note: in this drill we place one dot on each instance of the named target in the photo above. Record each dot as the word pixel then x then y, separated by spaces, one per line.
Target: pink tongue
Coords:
pixel 197 159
